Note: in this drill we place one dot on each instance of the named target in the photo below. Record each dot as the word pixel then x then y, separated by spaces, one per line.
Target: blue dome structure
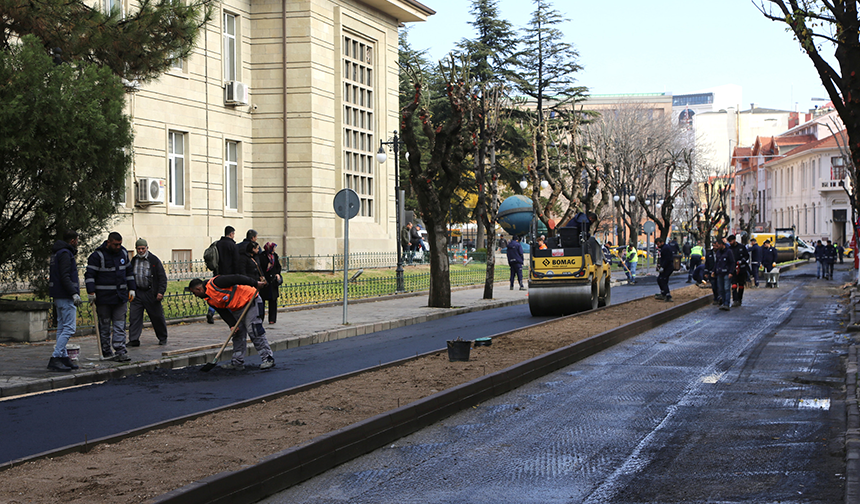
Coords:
pixel 515 214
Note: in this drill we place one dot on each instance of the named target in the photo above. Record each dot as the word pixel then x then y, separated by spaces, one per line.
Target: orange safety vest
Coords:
pixel 233 298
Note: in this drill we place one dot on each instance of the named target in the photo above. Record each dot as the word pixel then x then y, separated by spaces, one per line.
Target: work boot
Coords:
pixel 522 288
pixel 210 319
pixel 512 286
pixel 659 297
pixel 724 308
pixel 668 298
pixel 133 343
pixel 268 363
pixel 236 367
pixel 122 357
pixel 69 362
pixel 56 364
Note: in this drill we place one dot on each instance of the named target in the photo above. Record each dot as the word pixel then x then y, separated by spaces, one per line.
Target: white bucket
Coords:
pixel 74 352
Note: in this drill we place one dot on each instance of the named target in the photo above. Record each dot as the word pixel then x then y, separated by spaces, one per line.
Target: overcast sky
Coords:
pixel 677 46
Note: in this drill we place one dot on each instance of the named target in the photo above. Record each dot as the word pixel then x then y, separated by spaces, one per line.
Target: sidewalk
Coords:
pixel 23 366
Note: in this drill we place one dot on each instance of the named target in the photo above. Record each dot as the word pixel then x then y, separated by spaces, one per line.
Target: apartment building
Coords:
pixel 280 105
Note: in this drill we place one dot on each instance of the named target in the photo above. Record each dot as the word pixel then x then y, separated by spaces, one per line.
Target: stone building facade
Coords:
pixel 280 105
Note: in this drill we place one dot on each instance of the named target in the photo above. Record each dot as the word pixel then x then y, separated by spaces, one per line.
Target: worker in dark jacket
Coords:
pixel 65 288
pixel 667 266
pixel 270 264
pixel 515 261
pixel 742 272
pixel 151 282
pixel 228 261
pixel 820 260
pixel 755 259
pixel 725 267
pixel 768 256
pixel 830 256
pixel 110 285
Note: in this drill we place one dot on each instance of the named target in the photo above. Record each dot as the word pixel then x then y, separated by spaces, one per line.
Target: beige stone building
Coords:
pixel 280 105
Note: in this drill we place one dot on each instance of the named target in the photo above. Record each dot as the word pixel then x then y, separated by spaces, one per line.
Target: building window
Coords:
pixel 231 175
pixel 358 121
pixel 111 5
pixel 838 170
pixel 230 52
pixel 176 171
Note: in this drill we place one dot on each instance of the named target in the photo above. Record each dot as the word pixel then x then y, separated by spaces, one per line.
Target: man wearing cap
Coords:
pixel 151 281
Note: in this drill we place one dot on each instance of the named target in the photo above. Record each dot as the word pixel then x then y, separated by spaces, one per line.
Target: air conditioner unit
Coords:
pixel 150 190
pixel 236 93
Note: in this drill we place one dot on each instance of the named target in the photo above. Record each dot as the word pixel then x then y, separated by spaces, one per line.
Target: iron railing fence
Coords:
pixel 184 304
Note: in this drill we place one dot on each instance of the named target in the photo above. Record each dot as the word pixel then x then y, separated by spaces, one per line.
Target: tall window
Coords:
pixel 176 175
pixel 231 175
pixel 838 170
pixel 110 5
pixel 358 138
pixel 230 54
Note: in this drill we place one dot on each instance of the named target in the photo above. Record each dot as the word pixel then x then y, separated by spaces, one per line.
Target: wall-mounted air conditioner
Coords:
pixel 150 190
pixel 236 93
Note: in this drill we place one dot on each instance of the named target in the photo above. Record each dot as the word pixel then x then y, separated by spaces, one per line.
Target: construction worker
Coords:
pixel 631 259
pixel 230 294
pixel 697 252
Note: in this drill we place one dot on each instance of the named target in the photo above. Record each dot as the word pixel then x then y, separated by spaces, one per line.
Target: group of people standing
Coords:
pixel 115 286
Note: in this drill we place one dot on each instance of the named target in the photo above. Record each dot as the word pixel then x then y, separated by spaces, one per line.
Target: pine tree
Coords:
pixel 137 45
pixel 544 71
pixel 489 58
pixel 63 153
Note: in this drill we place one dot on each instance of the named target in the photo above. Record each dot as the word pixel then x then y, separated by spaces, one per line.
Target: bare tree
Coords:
pixel 641 157
pixel 833 24
pixel 712 190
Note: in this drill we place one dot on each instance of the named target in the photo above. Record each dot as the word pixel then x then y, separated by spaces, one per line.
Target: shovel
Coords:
pixel 211 365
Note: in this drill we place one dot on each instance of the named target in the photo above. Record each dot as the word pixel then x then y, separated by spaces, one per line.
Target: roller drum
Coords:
pixel 562 299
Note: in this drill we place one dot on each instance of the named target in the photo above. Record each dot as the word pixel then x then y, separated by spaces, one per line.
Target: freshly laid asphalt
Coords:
pixel 712 407
pixel 155 387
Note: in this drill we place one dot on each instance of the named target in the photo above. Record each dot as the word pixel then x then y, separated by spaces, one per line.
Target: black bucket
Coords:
pixel 459 350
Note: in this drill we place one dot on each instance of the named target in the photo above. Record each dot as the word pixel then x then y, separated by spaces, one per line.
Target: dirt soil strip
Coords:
pixel 318 425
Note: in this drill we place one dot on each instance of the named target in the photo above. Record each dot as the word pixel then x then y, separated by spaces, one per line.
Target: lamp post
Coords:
pixel 394 144
pixel 624 191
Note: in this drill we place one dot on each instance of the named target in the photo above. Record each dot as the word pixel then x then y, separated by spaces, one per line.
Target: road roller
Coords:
pixel 569 276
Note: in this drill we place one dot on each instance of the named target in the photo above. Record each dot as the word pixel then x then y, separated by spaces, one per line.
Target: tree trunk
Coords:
pixel 440 281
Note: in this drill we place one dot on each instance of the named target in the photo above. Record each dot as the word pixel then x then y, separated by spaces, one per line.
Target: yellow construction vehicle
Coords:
pixel 570 275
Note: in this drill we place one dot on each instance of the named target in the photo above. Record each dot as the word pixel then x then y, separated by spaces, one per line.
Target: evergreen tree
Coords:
pixel 488 55
pixel 137 45
pixel 63 153
pixel 544 72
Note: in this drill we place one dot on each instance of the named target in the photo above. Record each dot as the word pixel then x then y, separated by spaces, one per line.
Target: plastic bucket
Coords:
pixel 74 351
pixel 459 350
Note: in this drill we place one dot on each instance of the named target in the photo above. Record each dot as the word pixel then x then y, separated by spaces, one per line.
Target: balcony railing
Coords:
pixel 827 184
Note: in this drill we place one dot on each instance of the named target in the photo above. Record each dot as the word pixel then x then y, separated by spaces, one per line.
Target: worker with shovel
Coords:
pixel 230 294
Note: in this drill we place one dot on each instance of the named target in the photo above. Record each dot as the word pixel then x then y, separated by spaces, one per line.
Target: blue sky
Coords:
pixel 677 46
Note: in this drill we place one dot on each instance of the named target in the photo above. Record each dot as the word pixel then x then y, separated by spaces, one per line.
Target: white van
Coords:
pixel 804 250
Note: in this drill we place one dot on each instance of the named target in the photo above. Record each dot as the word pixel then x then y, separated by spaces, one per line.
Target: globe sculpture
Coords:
pixel 515 214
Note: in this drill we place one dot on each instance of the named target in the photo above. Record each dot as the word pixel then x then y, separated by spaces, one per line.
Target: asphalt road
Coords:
pixel 714 407
pixel 44 422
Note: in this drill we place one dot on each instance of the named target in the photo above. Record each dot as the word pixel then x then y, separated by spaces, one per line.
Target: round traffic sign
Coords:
pixel 346 204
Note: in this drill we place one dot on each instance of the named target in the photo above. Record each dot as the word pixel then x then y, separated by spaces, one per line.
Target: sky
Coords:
pixel 675 46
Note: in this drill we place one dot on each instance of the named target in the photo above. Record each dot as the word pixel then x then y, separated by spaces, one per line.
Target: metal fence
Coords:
pixel 183 304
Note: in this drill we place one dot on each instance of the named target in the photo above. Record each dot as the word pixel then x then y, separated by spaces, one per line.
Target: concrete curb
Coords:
pixel 294 465
pixel 202 357
pixel 852 433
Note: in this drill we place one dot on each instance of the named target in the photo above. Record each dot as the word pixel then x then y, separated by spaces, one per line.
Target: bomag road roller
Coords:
pixel 569 276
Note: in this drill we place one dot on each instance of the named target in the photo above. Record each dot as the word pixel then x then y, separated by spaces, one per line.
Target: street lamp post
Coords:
pixel 394 144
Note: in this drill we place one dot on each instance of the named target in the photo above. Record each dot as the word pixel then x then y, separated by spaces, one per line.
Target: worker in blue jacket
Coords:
pixel 110 286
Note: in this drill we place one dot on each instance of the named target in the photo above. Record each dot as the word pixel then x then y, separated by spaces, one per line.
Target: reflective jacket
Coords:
pixel 233 297
pixel 697 250
pixel 109 275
